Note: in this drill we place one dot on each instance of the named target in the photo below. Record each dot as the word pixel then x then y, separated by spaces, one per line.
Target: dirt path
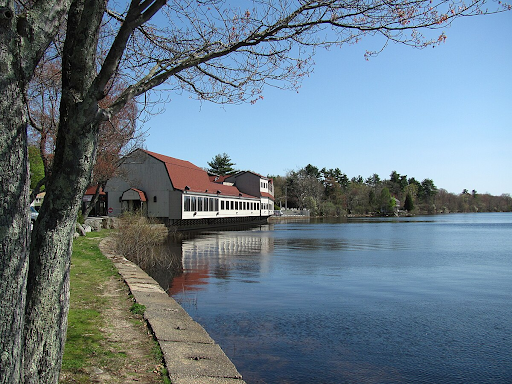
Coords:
pixel 127 334
pixel 129 353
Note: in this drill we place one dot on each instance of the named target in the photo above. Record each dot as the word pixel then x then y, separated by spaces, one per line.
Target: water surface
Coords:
pixel 424 299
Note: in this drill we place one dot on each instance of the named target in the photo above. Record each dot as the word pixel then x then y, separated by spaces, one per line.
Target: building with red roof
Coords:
pixel 179 192
pixel 99 208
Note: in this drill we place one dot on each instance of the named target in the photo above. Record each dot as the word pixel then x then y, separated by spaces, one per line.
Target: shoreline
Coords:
pixel 190 354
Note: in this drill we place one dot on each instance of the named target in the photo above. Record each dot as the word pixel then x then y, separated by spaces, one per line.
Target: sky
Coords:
pixel 441 113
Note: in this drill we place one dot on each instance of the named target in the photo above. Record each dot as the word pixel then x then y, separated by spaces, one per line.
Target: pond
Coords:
pixel 399 300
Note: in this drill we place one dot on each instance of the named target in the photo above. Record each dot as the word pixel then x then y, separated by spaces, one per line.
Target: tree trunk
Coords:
pixel 94 200
pixel 14 214
pixel 14 229
pixel 48 278
pixel 75 150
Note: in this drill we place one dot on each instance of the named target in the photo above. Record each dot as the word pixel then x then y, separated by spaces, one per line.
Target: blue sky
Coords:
pixel 442 113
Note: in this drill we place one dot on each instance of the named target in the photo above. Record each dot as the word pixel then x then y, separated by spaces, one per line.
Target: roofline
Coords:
pixel 240 195
pixel 254 173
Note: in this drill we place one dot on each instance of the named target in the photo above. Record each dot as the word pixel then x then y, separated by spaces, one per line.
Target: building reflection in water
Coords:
pixel 221 253
pixel 216 254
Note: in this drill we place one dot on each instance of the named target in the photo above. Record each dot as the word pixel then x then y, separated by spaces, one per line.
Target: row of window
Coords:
pixel 239 205
pixel 195 203
pixel 211 204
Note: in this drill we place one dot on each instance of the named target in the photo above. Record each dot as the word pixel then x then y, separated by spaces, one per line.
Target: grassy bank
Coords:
pixel 106 341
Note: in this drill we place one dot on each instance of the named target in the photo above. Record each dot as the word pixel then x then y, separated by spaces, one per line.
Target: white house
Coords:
pixel 180 193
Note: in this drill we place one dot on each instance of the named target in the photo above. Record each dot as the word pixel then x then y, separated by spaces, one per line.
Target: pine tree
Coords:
pixel 221 165
pixel 408 204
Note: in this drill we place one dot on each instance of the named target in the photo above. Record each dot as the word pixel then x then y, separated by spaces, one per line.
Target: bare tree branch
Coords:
pixel 243 50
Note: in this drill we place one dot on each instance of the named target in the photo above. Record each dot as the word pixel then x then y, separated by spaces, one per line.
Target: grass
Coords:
pixel 138 309
pixel 88 342
pixel 89 269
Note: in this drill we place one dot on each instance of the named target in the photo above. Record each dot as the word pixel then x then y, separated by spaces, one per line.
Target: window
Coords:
pixel 199 203
pixel 222 205
pixel 245 207
pixel 232 204
pixel 211 205
pixel 215 204
pixel 193 203
pixel 236 205
pixel 186 204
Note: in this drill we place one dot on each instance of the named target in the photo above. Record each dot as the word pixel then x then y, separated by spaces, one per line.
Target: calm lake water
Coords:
pixel 400 300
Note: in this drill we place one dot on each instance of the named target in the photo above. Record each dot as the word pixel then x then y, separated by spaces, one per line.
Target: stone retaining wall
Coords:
pixel 191 355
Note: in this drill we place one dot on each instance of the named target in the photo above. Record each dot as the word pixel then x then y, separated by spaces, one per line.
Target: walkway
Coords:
pixel 191 356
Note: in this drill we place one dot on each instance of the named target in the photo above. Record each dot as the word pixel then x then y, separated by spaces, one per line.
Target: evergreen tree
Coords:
pixel 408 204
pixel 221 165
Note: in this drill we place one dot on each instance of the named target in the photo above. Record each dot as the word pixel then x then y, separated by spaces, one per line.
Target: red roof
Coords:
pixel 92 190
pixel 218 179
pixel 266 194
pixel 142 195
pixel 186 176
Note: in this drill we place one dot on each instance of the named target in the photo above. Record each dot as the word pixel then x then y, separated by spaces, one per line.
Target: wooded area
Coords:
pixel 329 192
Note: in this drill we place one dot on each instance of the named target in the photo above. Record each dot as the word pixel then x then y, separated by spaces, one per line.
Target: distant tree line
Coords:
pixel 330 192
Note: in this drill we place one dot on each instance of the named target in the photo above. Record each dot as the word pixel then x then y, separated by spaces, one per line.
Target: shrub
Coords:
pixel 142 242
pixel 328 209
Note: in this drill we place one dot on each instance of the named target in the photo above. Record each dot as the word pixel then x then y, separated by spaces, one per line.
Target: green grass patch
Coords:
pixel 138 309
pixel 88 344
pixel 89 270
pixel 83 337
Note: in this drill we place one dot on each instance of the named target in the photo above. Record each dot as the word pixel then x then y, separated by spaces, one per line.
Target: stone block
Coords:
pixel 194 359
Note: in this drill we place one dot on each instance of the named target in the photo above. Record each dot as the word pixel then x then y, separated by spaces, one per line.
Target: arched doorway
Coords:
pixel 134 200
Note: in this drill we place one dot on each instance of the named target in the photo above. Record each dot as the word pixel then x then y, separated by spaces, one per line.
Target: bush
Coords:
pixel 327 209
pixel 141 241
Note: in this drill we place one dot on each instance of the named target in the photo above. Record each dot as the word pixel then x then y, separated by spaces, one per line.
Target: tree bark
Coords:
pixel 14 203
pixel 48 277
pixel 23 40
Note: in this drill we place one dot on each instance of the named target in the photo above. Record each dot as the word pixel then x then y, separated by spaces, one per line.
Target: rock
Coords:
pixel 94 223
